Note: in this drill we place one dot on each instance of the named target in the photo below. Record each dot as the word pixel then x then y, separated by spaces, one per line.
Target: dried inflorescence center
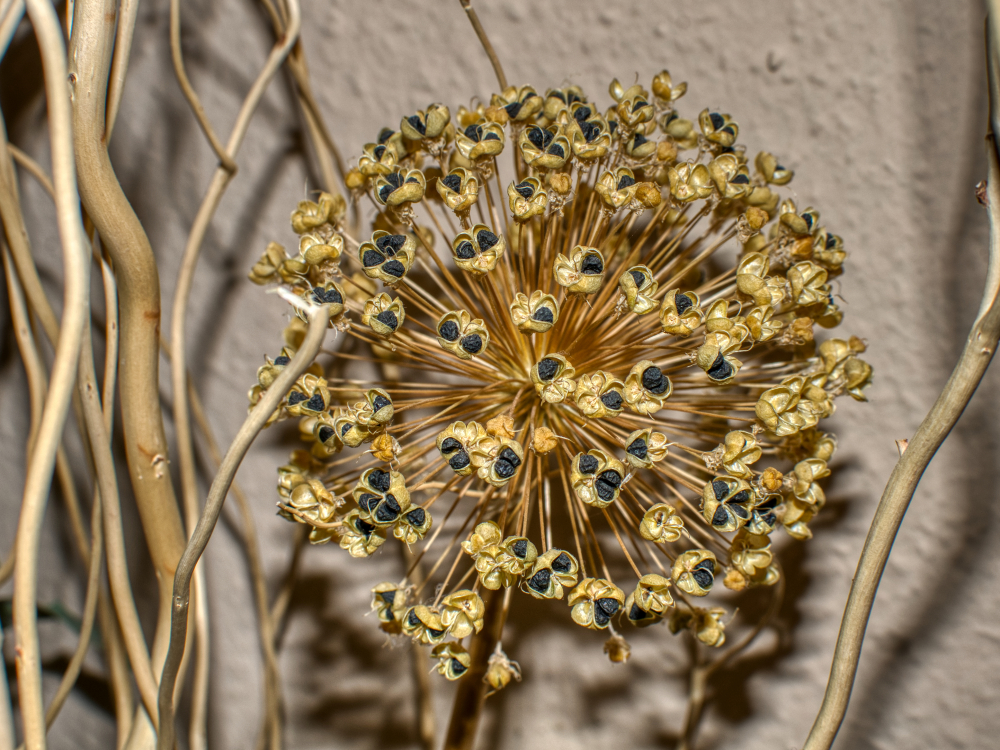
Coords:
pixel 603 377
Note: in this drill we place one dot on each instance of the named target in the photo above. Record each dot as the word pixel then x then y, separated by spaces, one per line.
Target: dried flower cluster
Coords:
pixel 603 377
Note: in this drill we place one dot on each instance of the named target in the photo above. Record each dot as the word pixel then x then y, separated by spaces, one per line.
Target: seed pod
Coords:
pixel 719 130
pixel 732 179
pixel 694 572
pixel 455 444
pixel 485 534
pixel 501 426
pixel 388 256
pixel 582 272
pixel 412 525
pixel 478 250
pixel 323 434
pixel 828 250
pixel 544 148
pixel 388 604
pixel 776 407
pixel 596 477
pixel 462 613
pixel 527 199
pixel 652 594
pixel 857 377
pixel 617 188
pixel 523 551
pixel 808 283
pixel 557 100
pixel 741 450
pixel 349 429
pixel 805 487
pixel 801 225
pixel 715 355
pixel 453 660
pixel 399 187
pixel 644 447
pixel 496 459
pixel 595 601
pixel 637 615
pixel 378 158
pixel 381 496
pixel 359 537
pixel 500 670
pixel 483 140
pixel 795 517
pixel 726 503
pixel 661 523
pixel 553 379
pixel 426 124
pixel 423 625
pixel 315 504
pixel 265 270
pixel 680 313
pixel 680 130
pixel 639 289
pixel 639 147
pixel 327 209
pixel 591 138
pixel 551 574
pixel 772 172
pixel 462 335
pixel 665 91
pixel 634 109
pixel 520 104
pixel 459 190
pixel 706 624
pixel 750 553
pixel 689 181
pixel 534 314
pixel 308 397
pixel 495 566
pixel 383 314
pixel 646 388
pixel 376 409
pixel 752 281
pixel 763 327
pixel 617 649
pixel 599 395
pixel 321 251
pixel 763 518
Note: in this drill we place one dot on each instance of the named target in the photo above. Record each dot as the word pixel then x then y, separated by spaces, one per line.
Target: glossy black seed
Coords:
pixel 831 241
pixel 638 277
pixel 590 131
pixel 385 192
pixel 571 98
pixel 379 151
pixel 582 113
pixel 654 381
pixel 417 124
pixel 380 402
pixel 808 220
pixel 474 132
pixel 388 596
pixel 508 455
pixel 717 120
pixel 416 517
pixel 325 433
pixel 385 134
pixel 612 477
pixel 450 444
pixel 282 361
pixel 394 178
pixel 295 397
pixel 368 502
pixel 728 129
pixel 740 497
pixel 636 613
pixel 512 109
pixel 449 331
pixel 739 510
pixel 605 490
pixel 638 140
pixel 720 517
pixel 372 258
pixel 544 315
pixel 638 448
pixel 363 527
pixel 465 251
pixel 345 428
pixel 703 577
pixel 453 182
pixel 380 480
pixel 388 511
pixel 706 564
pixel 390 243
pixel 556 150
pixel 540 138
pixel 562 564
pixel 720 369
pixel 486 239
pixel 504 469
pixel 768 518
pixel 547 369
pixel 540 581
pixel 459 461
pixel 558 95
pixel 740 179
pixel 473 343
pixel 625 181
pixel 525 189
pixel 612 400
pixel 520 548
pixel 327 296
pixel 587 464
pixel 457 667
pixel 435 633
pixel 683 303
pixel 592 265
pixel 412 619
pixel 388 319
pixel 612 126
pixel 721 489
pixel 413 179
pixel 491 137
pixel 770 504
pixel 394 268
pixel 604 609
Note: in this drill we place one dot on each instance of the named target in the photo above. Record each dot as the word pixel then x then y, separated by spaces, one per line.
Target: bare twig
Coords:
pixel 485 40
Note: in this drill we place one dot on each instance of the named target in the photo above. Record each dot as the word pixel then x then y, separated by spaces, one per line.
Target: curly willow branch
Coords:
pixel 975 358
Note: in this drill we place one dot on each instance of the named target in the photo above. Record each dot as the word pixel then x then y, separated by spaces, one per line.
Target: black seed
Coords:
pixel 417 124
pixel 379 151
pixel 379 403
pixel 768 505
pixel 465 250
pixel 486 239
pixel 636 613
pixel 457 667
pixel 654 381
pixel 412 619
pixel 474 132
pixel 473 343
pixel 703 577
pixel 540 138
pixel 720 517
pixel 612 400
pixel 638 141
pixel 525 189
pixel 706 564
pixel 363 527
pixel 380 480
pixel 612 477
pixel 671 117
pixel 604 609
pixel 510 457
pixel 491 137
pixel 683 303
pixel 558 95
pixel 450 444
pixel 592 265
pixel 385 192
pixel 808 220
pixel 345 428
pixel 282 361
pixel 571 98
pixel 295 397
pixel 540 581
pixel 512 109
pixel 831 241
pixel 720 369
pixel 394 268
pixel 388 511
pixel 367 502
pixel 520 548
pixel 390 243
pixel 459 461
pixel 739 510
pixel 388 596
pixel 587 464
pixel 449 331
pixel 721 489
pixel 372 258
pixel 435 633
pixel 556 150
pixel 385 134
pixel 327 296
pixel 625 181
pixel 504 469
pixel 413 179
pixel 582 113
pixel 717 120
pixel 388 319
pixel 590 131
pixel 547 369
pixel 416 517
pixel 638 277
pixel 728 129
pixel 453 182
pixel 325 433
pixel 605 490
pixel 394 178
pixel 740 497
pixel 612 126
pixel 562 564
pixel 638 448
pixel 740 179
pixel 768 518
pixel 543 314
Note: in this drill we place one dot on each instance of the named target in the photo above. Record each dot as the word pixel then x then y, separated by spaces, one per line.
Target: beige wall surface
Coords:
pixel 880 109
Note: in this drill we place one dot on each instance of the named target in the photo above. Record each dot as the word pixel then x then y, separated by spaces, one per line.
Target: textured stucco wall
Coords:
pixel 878 106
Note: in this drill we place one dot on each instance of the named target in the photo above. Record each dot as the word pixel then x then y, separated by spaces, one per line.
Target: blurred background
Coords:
pixel 880 108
